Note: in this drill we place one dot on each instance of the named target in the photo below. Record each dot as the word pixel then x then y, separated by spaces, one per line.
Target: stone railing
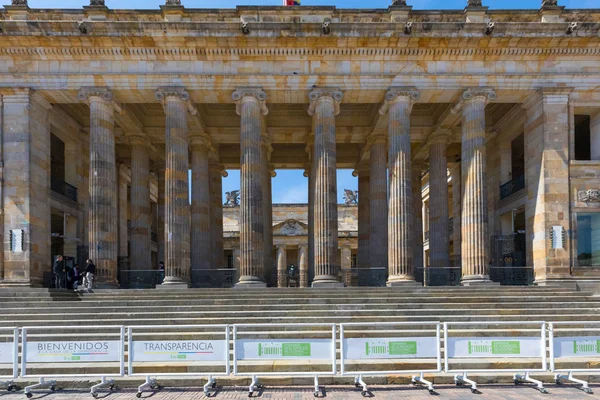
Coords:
pixel 512 187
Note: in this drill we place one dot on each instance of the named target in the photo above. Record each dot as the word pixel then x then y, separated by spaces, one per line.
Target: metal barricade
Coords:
pixel 181 347
pixel 284 345
pixel 100 346
pixel 390 342
pixel 9 358
pixel 569 342
pixel 518 342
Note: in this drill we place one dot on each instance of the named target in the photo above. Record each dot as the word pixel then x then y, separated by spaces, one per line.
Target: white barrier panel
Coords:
pixel 178 350
pixel 74 351
pixel 570 341
pixel 285 349
pixel 386 348
pixel 468 341
pixel 9 352
pixel 386 341
pixel 182 344
pixel 513 347
pixel 44 344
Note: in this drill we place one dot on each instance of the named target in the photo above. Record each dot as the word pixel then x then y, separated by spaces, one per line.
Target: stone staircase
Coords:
pixel 106 308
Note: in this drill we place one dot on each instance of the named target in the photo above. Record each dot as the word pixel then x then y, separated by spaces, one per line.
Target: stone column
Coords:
pixel 281 265
pixel 324 106
pixel 399 102
pixel 25 184
pixel 303 261
pixel 123 216
pixel 176 103
pixel 364 220
pixel 456 214
pixel 250 105
pixel 418 166
pixel 547 179
pixel 140 204
pixel 595 136
pixel 160 166
pixel 346 257
pixel 215 174
pixel 103 184
pixel 475 246
pixel 438 197
pixel 201 233
pixel 308 172
pixel 378 214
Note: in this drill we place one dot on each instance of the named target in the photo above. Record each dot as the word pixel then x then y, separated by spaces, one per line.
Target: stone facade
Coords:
pixel 137 103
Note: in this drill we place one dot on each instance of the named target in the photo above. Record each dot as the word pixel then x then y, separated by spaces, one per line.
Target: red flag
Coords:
pixel 291 2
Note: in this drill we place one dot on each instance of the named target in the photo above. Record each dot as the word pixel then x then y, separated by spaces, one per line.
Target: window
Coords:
pixel 229 259
pixel 582 137
pixel 588 240
pixel 354 261
pixel 517 152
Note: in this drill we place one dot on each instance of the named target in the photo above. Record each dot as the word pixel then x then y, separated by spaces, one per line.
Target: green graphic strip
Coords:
pixel 403 348
pixel 506 347
pixel 296 349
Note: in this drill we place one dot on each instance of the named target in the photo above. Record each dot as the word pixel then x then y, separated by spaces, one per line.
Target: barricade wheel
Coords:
pixel 474 391
pixel 53 388
pixel 432 392
pixel 94 395
pixel 517 382
pixel 214 385
pixel 250 394
pixel 138 394
pixel 543 391
pixel 357 385
pixel 112 387
pixel 557 381
pixel 29 395
pixel 587 390
pixel 458 383
pixel 364 393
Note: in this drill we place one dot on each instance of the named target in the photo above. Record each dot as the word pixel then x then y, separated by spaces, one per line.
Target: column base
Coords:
pixel 568 283
pixel 250 285
pixel 173 286
pixel 477 280
pixel 326 281
pixel 403 283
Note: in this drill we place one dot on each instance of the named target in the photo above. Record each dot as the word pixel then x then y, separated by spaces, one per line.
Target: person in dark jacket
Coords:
pixel 59 272
pixel 90 271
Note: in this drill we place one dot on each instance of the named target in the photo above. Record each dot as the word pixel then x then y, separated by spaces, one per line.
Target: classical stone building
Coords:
pixel 103 112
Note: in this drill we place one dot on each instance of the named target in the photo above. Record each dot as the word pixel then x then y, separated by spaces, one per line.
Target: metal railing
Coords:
pixel 141 279
pixel 512 187
pixel 214 278
pixel 426 236
pixel 63 188
pixel 376 276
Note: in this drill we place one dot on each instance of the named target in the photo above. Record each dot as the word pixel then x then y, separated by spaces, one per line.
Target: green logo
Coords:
pixel 284 349
pixel 391 348
pixel 495 347
pixel 586 346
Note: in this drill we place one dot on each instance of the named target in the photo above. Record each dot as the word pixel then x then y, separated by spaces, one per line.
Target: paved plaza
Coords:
pixel 491 392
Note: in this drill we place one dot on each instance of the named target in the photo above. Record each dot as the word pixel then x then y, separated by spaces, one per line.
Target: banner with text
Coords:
pixel 179 350
pixel 288 349
pixel 503 347
pixel 373 348
pixel 583 346
pixel 82 351
pixel 7 353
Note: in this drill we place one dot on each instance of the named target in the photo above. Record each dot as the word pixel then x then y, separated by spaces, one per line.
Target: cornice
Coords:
pixel 200 54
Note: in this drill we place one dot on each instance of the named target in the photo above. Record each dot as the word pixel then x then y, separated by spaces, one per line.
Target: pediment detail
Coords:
pixel 290 227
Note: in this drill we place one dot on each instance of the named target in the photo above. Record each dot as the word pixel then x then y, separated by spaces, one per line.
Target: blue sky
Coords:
pixel 417 4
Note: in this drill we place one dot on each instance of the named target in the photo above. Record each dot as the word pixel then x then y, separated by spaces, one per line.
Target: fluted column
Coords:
pixel 417 168
pixel 176 104
pixel 216 174
pixel 456 214
pixel 103 184
pixel 303 261
pixel 378 214
pixel 281 265
pixel 250 105
pixel 324 106
pixel 140 205
pixel 364 220
pixel 123 212
pixel 200 235
pixel 398 103
pixel 475 247
pixel 438 204
pixel 346 257
pixel 160 171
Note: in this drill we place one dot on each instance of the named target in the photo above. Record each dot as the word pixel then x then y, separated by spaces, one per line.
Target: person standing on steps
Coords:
pixel 59 272
pixel 90 271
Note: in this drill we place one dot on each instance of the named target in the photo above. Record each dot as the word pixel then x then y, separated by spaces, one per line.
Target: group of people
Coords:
pixel 74 276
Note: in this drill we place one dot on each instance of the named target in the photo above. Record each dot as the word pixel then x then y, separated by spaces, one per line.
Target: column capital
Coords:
pixel 281 246
pixel 175 93
pixel 486 94
pixel 250 94
pixel 200 142
pixel 361 170
pixel 440 136
pixel 395 94
pixel 214 166
pixel 138 140
pixel 419 163
pixel 302 247
pixel 322 94
pixel 89 94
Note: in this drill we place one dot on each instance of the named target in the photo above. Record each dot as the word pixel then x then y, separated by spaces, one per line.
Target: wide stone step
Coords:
pixel 301 314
